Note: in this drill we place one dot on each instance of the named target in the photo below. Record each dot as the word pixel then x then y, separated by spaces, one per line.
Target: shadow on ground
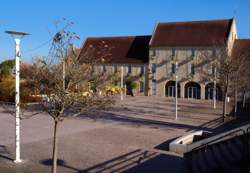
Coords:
pixel 137 161
pixel 4 154
pixel 138 121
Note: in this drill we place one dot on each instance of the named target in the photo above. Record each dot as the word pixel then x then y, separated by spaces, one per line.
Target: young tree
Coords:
pixel 62 78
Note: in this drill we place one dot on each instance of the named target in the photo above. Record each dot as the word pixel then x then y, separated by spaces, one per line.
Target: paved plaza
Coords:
pixel 132 136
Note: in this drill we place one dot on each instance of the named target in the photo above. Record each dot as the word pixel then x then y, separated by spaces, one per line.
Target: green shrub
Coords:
pixel 6 68
pixel 7 87
pixel 131 84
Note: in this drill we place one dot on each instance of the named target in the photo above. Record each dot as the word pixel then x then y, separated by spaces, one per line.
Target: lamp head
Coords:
pixel 17 33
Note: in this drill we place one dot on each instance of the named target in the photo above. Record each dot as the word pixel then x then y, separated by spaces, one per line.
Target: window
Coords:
pixel 173 67
pixel 214 52
pixel 115 68
pixel 192 69
pixel 153 87
pixel 142 70
pixel 104 68
pixel 153 52
pixel 141 86
pixel 173 52
pixel 153 66
pixel 92 69
pixel 210 69
pixel 214 71
pixel 129 69
pixel 189 67
pixel 192 52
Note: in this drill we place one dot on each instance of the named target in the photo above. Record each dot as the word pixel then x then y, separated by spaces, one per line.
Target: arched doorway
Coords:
pixel 192 90
pixel 170 89
pixel 209 92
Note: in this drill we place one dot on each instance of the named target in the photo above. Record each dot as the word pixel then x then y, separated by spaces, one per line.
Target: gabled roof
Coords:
pixel 191 34
pixel 122 50
pixel 241 48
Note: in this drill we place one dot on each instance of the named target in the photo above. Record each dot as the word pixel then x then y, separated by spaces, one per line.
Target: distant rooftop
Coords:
pixel 241 47
pixel 122 50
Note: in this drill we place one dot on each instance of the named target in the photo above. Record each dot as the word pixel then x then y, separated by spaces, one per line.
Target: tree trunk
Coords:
pixel 236 98
pixel 224 107
pixel 54 157
pixel 244 100
pixel 225 100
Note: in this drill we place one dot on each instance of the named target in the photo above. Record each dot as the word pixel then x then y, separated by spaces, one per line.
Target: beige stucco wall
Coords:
pixel 135 74
pixel 164 59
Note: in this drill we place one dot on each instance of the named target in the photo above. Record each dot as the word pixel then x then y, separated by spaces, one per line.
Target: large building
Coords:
pixel 152 61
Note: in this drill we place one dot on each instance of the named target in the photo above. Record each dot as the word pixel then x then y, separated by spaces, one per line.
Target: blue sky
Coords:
pixel 107 18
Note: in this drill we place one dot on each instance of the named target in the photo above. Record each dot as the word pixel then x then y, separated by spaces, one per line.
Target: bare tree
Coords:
pixel 242 77
pixel 61 78
pixel 228 69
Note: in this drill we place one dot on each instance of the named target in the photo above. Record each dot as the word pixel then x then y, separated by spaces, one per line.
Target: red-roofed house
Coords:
pixel 171 44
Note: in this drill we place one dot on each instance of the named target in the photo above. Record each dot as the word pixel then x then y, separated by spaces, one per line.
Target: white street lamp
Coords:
pixel 176 90
pixel 122 83
pixel 17 94
pixel 214 92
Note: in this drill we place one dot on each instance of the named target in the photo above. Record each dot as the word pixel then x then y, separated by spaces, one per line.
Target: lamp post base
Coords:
pixel 17 161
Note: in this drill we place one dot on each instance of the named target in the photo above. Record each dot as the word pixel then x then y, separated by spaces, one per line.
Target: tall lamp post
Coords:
pixel 18 35
pixel 214 92
pixel 176 90
pixel 122 83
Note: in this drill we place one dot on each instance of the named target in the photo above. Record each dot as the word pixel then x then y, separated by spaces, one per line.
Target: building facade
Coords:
pixel 175 51
pixel 122 56
pixel 180 50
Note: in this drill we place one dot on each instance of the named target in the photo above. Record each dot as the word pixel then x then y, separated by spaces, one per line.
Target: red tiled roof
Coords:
pixel 241 48
pixel 191 34
pixel 122 50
